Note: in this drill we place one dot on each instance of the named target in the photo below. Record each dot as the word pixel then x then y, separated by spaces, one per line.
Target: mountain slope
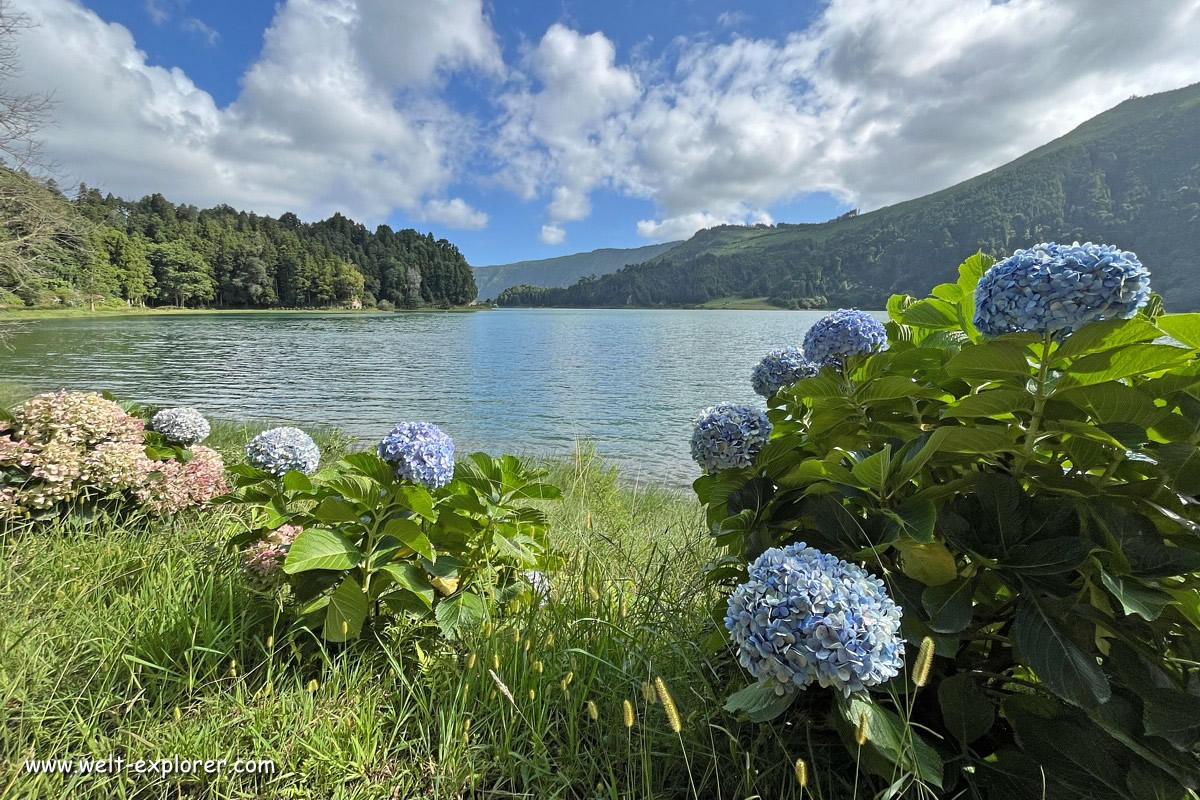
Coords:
pixel 564 270
pixel 1130 177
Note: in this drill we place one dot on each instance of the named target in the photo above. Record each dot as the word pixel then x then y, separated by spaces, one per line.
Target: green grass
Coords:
pixel 137 637
pixel 741 303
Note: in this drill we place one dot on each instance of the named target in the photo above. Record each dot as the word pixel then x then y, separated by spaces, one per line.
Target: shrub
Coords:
pixel 1029 500
pixel 361 541
pixel 79 449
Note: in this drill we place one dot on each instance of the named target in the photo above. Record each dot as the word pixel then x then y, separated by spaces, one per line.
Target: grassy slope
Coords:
pixel 139 638
pixel 564 270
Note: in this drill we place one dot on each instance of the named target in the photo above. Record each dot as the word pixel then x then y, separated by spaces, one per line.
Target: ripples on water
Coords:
pixel 512 380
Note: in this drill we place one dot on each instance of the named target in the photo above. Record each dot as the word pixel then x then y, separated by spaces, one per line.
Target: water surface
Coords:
pixel 508 380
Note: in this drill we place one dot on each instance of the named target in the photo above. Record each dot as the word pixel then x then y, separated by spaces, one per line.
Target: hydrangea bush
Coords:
pixel 69 450
pixel 283 450
pixel 420 453
pixel 1026 492
pixel 842 334
pixel 402 531
pixel 805 616
pixel 780 368
pixel 184 426
pixel 728 436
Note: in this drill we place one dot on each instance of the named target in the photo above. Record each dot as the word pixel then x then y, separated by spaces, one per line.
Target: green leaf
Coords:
pixel 966 709
pixel 409 532
pixel 1182 327
pixel 897 741
pixel 355 487
pixel 1124 362
pixel 994 403
pixel 1051 556
pixel 949 605
pixel 316 548
pixel 872 471
pixel 371 466
pixel 334 509
pixel 893 387
pixel 297 481
pixel 1097 337
pixel 758 702
pixel 1181 463
pixel 1067 670
pixel 973 441
pixel 416 499
pixel 458 612
pixel 814 470
pixel 1114 402
pixel 989 361
pixel 931 563
pixel 509 549
pixel 1173 715
pixel 931 313
pixel 916 518
pixel 346 612
pixel 1147 603
pixel 411 578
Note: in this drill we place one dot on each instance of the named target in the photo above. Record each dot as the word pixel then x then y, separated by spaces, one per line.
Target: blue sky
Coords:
pixel 525 130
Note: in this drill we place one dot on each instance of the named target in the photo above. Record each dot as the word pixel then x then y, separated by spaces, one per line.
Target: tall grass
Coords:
pixel 138 638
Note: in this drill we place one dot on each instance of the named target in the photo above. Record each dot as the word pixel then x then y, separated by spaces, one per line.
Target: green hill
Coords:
pixel 564 270
pixel 1130 177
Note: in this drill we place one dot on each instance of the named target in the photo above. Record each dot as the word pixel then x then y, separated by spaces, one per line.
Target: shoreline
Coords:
pixel 22 314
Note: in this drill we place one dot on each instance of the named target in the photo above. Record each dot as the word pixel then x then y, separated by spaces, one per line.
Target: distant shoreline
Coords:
pixel 22 314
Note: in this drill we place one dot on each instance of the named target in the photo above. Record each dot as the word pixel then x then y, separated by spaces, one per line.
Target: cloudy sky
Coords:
pixel 533 128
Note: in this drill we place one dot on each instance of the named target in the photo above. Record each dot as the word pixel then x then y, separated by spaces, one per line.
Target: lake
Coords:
pixel 523 381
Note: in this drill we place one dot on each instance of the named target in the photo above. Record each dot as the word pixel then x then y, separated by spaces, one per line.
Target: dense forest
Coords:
pixel 1130 177
pixel 563 270
pixel 106 250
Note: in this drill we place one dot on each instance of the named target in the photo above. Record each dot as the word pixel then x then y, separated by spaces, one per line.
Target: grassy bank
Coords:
pixel 24 314
pixel 139 638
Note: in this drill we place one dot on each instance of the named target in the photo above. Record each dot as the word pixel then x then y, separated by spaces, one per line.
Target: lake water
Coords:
pixel 524 381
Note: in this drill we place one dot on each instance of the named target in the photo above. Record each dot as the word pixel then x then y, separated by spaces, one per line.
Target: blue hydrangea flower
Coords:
pixel 281 450
pixel 728 436
pixel 420 453
pixel 843 333
pixel 183 426
pixel 1055 288
pixel 807 616
pixel 780 368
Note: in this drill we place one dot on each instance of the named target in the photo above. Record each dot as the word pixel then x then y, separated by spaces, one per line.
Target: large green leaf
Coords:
pixel 458 612
pixel 513 550
pixel 1123 362
pixel 317 548
pixel 1097 337
pixel 411 578
pixel 894 387
pixel 872 472
pixel 1144 601
pixel 1183 327
pixel 346 612
pixel 408 531
pixel 897 741
pixel 1181 463
pixel 334 510
pixel 949 605
pixel 1114 402
pixel 989 361
pixel 994 403
pixel 372 466
pixel 760 703
pixel 931 313
pixel 966 709
pixel 1050 556
pixel 974 441
pixel 1059 662
pixel 1173 715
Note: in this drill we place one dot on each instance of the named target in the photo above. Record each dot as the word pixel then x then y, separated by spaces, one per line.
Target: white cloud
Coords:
pixel 553 234
pixel 731 19
pixel 875 102
pixel 684 225
pixel 406 43
pixel 312 131
pixel 202 29
pixel 455 213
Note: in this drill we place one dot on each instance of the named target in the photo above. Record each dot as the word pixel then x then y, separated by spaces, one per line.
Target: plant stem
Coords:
pixel 1039 405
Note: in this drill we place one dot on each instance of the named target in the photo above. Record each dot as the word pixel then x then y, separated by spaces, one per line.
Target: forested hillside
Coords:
pixel 563 270
pixel 1130 176
pixel 106 250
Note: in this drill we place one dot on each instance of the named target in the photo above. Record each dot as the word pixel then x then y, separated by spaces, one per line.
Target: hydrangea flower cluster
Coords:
pixel 1052 288
pixel 262 562
pixel 78 446
pixel 728 436
pixel 183 426
pixel 807 616
pixel 780 368
pixel 281 450
pixel 841 334
pixel 420 452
